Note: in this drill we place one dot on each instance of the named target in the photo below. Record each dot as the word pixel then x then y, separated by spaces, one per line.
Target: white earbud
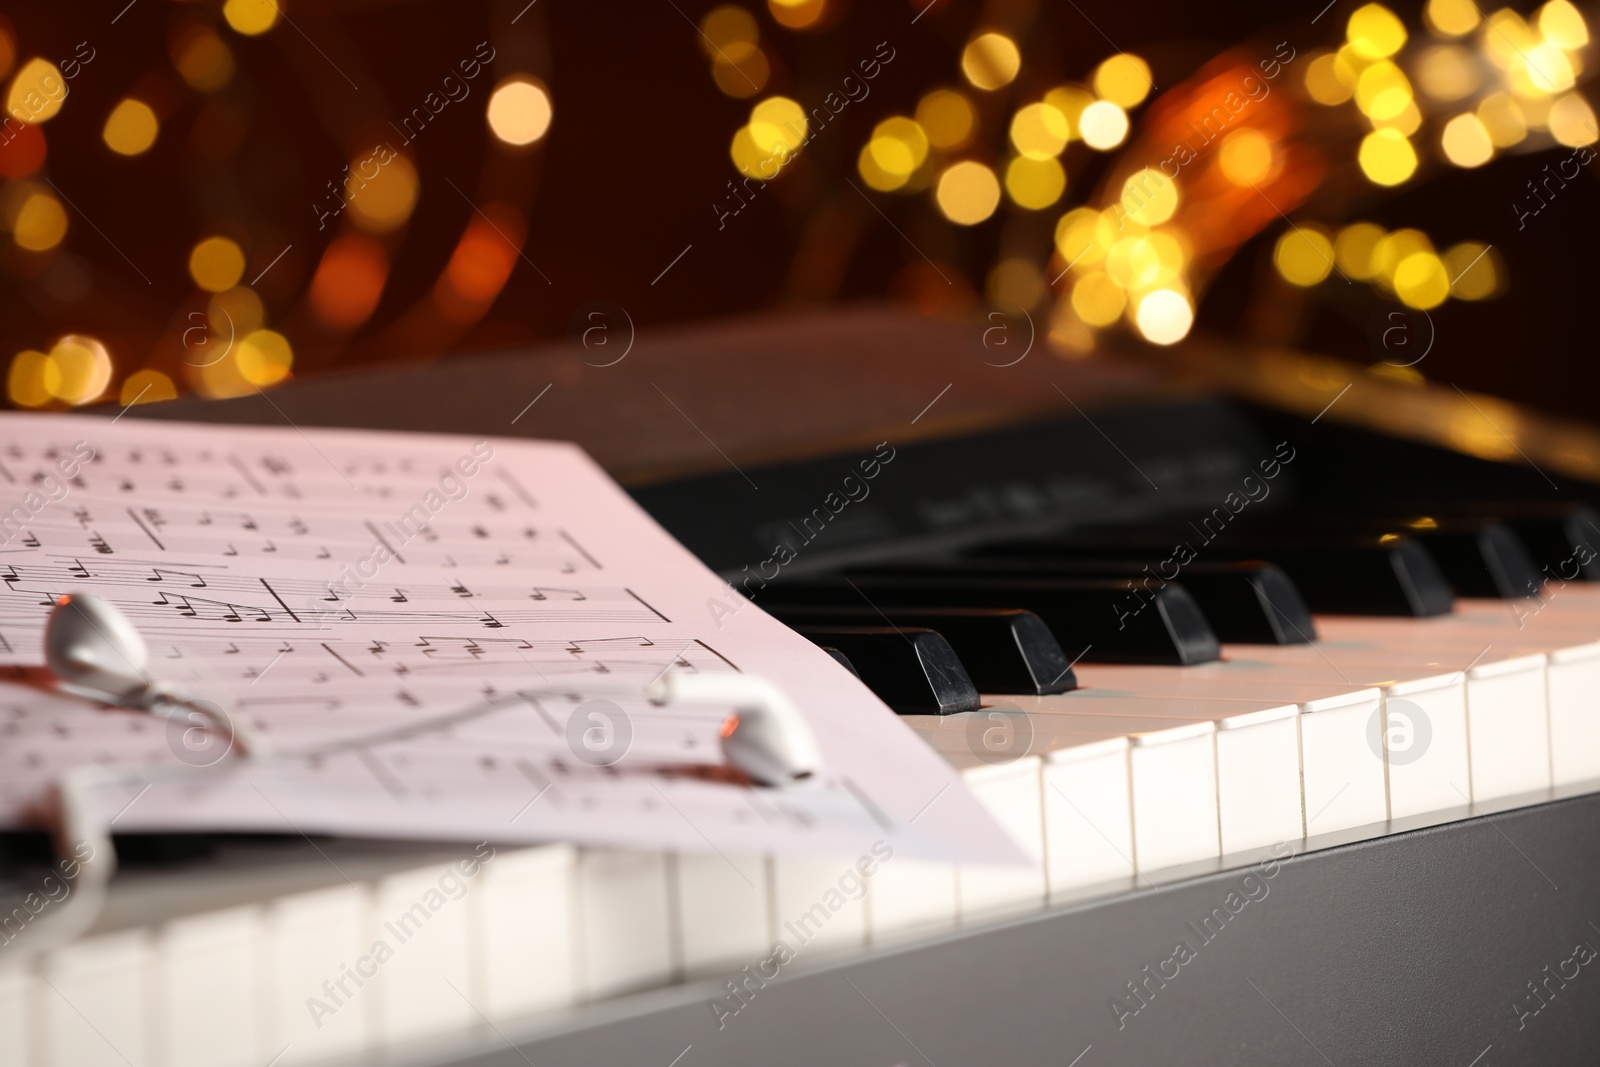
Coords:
pixel 767 738
pixel 95 651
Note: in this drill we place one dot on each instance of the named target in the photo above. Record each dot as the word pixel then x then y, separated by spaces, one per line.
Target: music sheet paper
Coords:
pixel 330 584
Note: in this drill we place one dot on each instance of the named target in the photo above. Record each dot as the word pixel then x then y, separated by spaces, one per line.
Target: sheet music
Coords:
pixel 324 585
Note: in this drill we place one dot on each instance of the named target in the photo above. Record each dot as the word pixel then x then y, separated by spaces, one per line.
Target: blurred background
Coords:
pixel 215 197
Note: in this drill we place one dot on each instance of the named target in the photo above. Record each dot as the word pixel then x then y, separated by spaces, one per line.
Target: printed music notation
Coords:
pixel 453 626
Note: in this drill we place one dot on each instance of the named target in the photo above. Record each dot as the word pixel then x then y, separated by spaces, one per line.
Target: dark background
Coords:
pixel 638 152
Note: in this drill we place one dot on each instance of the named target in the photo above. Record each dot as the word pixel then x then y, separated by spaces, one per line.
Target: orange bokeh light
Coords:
pixel 481 263
pixel 22 151
pixel 349 281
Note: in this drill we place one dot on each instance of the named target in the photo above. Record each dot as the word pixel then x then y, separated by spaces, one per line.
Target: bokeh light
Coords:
pixel 519 111
pixel 83 369
pixel 1323 82
pixel 202 59
pixel 1503 119
pixel 778 124
pixel 146 387
pixel 967 192
pixel 990 61
pixel 216 263
pixel 1447 72
pixel 1466 142
pixel 1563 26
pixel 1039 131
pixel 1304 256
pixel 1572 121
pixel 1375 32
pixel 263 357
pixel 1245 157
pixel 1451 18
pixel 40 223
pixel 1475 271
pixel 349 281
pixel 797 14
pixel 37 92
pixel 897 148
pixel 1103 125
pixel 1164 317
pixel 1355 249
pixel 32 379
pixel 251 17
pixel 1098 300
pixel 385 201
pixel 1123 79
pixel 947 117
pixel 1035 183
pixel 1070 100
pixel 1149 197
pixel 1386 157
pixel 131 128
pixel 1420 281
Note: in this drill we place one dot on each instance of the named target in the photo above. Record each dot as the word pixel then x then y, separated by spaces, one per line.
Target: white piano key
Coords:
pixel 1508 727
pixel 815 898
pixel 308 936
pixel 911 895
pixel 1174 774
pixel 1088 813
pixel 1011 793
pixel 1574 687
pixel 1427 754
pixel 17 1035
pixel 97 1002
pixel 425 987
pixel 209 969
pixel 624 921
pixel 723 915
pixel 525 934
pixel 1257 753
pixel 1344 781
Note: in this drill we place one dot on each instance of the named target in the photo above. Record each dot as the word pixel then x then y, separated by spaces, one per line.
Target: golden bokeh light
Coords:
pixel 741 71
pixel 1563 26
pixel 947 117
pixel 1070 100
pixel 1474 269
pixel 1097 299
pixel 37 92
pixel 727 26
pixel 749 159
pixel 203 60
pixel 1503 119
pixel 519 110
pixel 83 369
pixel 385 202
pixel 216 263
pixel 146 387
pixel 1355 249
pixel 1542 71
pixel 1035 183
pixel 1245 157
pixel 899 145
pixel 1164 317
pixel 231 314
pixel 1077 238
pixel 1103 125
pixel 263 357
pixel 251 17
pixel 1375 32
pixel 1508 37
pixel 1447 72
pixel 1393 249
pixel 778 124
pixel 797 14
pixel 40 223
pixel 1420 281
pixel 1039 131
pixel 1465 141
pixel 1572 121
pixel 1123 79
pixel 1323 82
pixel 1133 263
pixel 1382 91
pixel 967 192
pixel 990 61
pixel 1451 18
pixel 32 380
pixel 1386 157
pixel 1149 197
pixel 1304 256
pixel 131 128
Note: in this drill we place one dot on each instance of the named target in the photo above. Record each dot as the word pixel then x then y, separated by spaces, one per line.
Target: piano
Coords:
pixel 1287 676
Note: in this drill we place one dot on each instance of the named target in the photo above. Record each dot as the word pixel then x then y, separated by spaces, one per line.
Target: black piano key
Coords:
pixel 1479 559
pixel 1004 650
pixel 842 659
pixel 1563 539
pixel 913 670
pixel 1337 573
pixel 1248 601
pixel 1097 620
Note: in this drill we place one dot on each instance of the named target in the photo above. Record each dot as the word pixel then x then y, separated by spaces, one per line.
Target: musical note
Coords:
pixel 78 570
pixel 460 589
pixel 100 544
pixel 543 593
pixel 399 596
pixel 490 621
pixel 160 574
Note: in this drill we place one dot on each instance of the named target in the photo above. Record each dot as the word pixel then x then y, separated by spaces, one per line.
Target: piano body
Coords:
pixel 1265 831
